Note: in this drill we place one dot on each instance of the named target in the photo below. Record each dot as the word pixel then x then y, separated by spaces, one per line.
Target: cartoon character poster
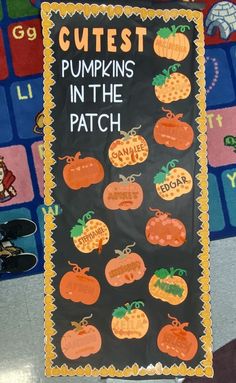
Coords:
pixel 127 260
pixel 7 178
pixel 15 180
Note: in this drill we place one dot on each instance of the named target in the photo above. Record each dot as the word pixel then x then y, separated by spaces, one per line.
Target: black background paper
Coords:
pixel 140 107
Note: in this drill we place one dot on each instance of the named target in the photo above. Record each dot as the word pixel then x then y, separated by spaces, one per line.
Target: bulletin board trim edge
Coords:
pixel 205 366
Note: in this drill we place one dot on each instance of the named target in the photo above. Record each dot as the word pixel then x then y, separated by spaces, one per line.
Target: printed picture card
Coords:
pixel 125 159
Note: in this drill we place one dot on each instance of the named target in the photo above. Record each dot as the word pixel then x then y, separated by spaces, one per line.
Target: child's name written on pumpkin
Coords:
pixel 97 81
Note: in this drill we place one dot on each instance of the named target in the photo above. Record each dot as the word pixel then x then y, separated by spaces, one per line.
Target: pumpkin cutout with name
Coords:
pixel 77 286
pixel 131 149
pixel 175 341
pixel 165 231
pixel 171 85
pixel 83 340
pixel 126 268
pixel 89 234
pixel 169 286
pixel 172 181
pixel 124 195
pixel 129 322
pixel 172 43
pixel 82 172
pixel 172 132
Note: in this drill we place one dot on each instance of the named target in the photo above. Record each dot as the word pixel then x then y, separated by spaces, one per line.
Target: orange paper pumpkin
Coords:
pixel 172 132
pixel 77 286
pixel 173 182
pixel 169 287
pixel 132 149
pixel 81 173
pixel 171 85
pixel 126 268
pixel 82 341
pixel 165 231
pixel 124 195
pixel 129 321
pixel 175 341
pixel 172 43
pixel 90 234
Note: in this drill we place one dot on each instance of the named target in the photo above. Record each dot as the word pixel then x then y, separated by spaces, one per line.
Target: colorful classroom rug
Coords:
pixel 21 127
pixel 220 32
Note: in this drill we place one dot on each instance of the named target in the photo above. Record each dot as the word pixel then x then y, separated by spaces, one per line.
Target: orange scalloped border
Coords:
pixel 205 366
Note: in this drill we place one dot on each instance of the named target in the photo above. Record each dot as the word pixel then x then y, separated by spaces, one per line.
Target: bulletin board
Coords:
pixel 126 262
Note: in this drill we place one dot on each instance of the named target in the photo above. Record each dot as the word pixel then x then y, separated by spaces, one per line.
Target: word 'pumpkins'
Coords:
pixel 175 341
pixel 77 286
pixel 82 341
pixel 172 132
pixel 171 43
pixel 81 173
pixel 123 195
pixel 173 182
pixel 132 149
pixel 90 234
pixel 126 268
pixel 169 287
pixel 165 231
pixel 171 87
pixel 129 321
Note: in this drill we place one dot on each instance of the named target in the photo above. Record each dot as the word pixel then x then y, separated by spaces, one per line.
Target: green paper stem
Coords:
pixel 165 33
pixel 181 28
pixel 161 78
pixel 161 176
pixel 120 312
pixel 165 273
pixel 78 229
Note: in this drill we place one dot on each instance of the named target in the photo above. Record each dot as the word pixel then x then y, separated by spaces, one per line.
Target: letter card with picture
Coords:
pixel 127 258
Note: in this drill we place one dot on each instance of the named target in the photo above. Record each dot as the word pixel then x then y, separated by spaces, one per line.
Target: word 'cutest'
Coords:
pixel 99 39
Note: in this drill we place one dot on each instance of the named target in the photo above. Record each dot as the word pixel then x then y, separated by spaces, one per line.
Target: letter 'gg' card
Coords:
pixel 127 259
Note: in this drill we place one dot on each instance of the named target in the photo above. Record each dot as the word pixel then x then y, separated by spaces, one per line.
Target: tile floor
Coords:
pixel 21 318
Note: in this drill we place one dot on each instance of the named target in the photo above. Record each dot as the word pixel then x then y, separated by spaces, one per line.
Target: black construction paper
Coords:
pixel 133 106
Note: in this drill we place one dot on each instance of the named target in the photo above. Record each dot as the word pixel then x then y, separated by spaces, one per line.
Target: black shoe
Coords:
pixel 18 264
pixel 21 227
